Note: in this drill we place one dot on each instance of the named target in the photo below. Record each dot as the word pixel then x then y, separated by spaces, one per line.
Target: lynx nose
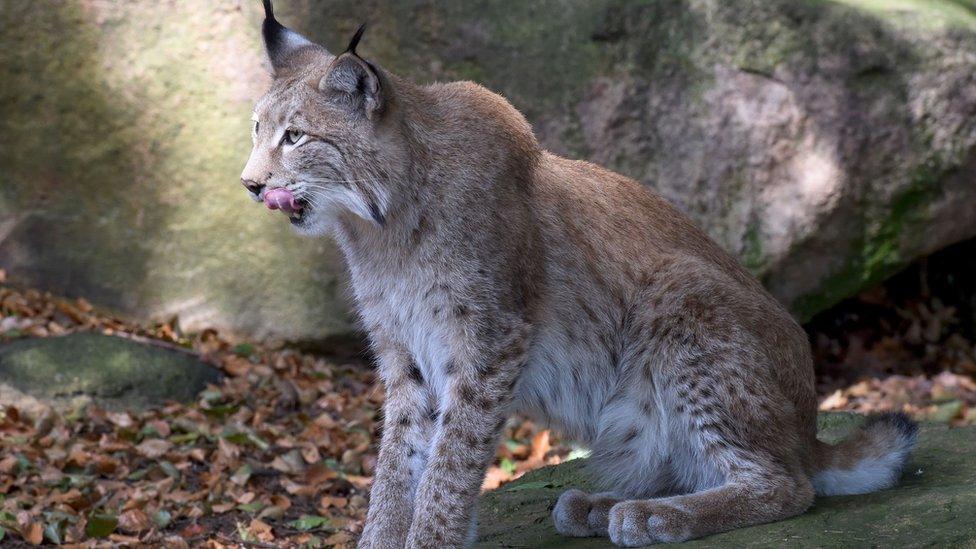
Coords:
pixel 253 186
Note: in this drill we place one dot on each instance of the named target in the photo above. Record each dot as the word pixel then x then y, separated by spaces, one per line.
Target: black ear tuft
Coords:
pixel 275 34
pixel 355 39
pixel 355 79
pixel 281 42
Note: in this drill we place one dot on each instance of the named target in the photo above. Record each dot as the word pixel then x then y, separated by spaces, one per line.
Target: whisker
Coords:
pixel 316 194
pixel 332 181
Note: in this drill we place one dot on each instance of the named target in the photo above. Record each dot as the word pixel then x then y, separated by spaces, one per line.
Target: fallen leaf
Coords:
pixel 242 475
pixel 101 525
pixel 133 521
pixel 191 531
pixel 153 448
pixel 33 532
pixel 310 522
pixel 260 530
pixel 162 518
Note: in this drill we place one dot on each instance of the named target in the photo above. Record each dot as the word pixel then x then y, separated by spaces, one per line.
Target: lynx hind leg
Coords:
pixel 580 515
pixel 740 467
pixel 737 503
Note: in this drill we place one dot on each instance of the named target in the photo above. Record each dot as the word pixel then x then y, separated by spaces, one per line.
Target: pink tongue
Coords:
pixel 281 199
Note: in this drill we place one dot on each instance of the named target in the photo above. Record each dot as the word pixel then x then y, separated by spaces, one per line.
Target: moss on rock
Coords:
pixel 112 371
pixel 932 506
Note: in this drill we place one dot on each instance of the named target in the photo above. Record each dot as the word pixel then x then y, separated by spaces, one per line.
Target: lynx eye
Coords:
pixel 292 137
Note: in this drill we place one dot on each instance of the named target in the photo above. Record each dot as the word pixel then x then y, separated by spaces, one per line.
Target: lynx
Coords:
pixel 494 277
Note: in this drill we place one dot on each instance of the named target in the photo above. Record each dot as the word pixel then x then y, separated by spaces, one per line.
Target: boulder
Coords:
pixel 111 371
pixel 933 505
pixel 125 129
pixel 825 143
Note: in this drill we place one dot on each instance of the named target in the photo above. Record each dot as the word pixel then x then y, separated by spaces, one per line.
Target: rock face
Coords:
pixel 931 507
pixel 825 143
pixel 111 371
pixel 125 129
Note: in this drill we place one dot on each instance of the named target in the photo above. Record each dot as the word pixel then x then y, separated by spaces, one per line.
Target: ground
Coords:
pixel 281 451
pixel 933 505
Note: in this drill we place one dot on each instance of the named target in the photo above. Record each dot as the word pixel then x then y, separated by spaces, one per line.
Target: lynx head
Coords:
pixel 323 141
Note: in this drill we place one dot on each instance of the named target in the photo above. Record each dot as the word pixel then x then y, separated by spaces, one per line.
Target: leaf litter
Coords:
pixel 281 454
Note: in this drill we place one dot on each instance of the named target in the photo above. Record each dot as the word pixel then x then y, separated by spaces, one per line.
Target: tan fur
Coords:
pixel 494 277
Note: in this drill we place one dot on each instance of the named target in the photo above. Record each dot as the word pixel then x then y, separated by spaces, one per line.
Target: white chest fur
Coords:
pixel 407 312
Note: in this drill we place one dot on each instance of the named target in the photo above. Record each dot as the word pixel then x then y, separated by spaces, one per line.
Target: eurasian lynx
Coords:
pixel 493 276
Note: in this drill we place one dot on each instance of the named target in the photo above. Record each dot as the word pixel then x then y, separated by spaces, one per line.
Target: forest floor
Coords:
pixel 282 452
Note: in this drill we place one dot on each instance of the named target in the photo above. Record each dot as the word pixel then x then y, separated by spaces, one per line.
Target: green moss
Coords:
pixel 929 13
pixel 115 372
pixel 876 253
pixel 752 255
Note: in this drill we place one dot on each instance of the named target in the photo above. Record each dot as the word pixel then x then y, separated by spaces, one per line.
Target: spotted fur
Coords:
pixel 493 277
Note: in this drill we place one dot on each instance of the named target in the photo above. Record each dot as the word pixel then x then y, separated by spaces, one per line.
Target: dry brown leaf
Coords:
pixel 260 530
pixel 192 530
pixel 311 454
pixel 229 451
pixel 540 446
pixel 281 501
pixel 174 542
pixel 297 489
pixel 319 473
pixel 7 465
pixel 121 420
pixel 245 498
pixel 33 532
pixel 325 502
pixel 154 448
pixel 133 521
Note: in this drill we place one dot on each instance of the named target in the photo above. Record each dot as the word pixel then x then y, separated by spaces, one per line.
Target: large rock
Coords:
pixel 125 126
pixel 111 371
pixel 824 143
pixel 933 505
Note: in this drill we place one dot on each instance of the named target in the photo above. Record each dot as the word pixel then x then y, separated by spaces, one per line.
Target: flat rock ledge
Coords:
pixel 933 506
pixel 112 372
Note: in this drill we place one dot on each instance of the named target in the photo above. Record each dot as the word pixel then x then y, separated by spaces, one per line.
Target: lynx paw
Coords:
pixel 637 523
pixel 570 514
pixel 580 515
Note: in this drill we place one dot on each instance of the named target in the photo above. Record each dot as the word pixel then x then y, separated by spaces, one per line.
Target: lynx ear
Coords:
pixel 283 43
pixel 355 79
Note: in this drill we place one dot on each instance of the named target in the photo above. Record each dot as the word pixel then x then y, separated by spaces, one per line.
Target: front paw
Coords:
pixel 638 523
pixel 578 514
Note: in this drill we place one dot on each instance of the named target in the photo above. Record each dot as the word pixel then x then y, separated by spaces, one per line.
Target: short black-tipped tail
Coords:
pixel 871 459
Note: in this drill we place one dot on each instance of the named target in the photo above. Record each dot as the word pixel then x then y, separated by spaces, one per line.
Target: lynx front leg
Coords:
pixel 477 406
pixel 404 435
